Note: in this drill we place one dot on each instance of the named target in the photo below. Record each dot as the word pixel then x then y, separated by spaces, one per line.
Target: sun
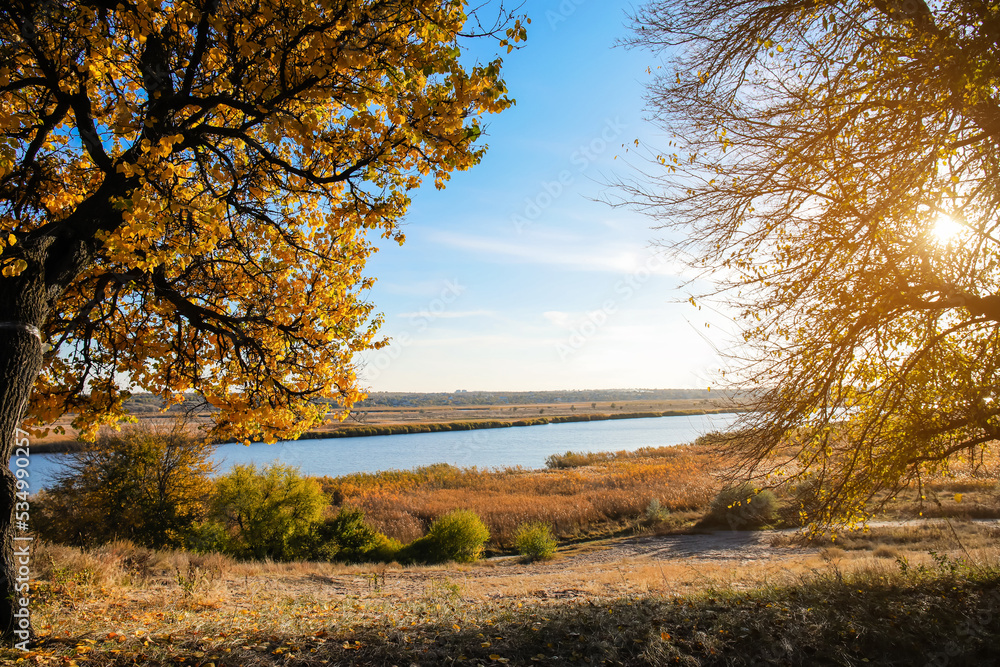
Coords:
pixel 945 228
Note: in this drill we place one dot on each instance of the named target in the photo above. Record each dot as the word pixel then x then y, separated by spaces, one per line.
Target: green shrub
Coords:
pixel 268 513
pixel 741 507
pixel 140 484
pixel 208 536
pixel 347 537
pixel 385 549
pixel 655 512
pixel 458 536
pixel 349 530
pixel 420 550
pixel 534 541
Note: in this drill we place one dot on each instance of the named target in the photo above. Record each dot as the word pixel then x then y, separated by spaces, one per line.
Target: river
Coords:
pixel 525 446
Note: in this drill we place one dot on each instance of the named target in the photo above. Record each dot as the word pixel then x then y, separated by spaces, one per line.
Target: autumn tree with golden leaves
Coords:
pixel 833 171
pixel 187 190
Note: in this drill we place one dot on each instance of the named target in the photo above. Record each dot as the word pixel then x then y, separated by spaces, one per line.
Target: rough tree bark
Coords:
pixel 55 258
pixel 22 311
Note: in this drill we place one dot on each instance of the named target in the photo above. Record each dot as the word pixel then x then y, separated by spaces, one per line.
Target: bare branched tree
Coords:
pixel 833 170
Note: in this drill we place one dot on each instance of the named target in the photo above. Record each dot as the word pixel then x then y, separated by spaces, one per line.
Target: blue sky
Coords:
pixel 515 277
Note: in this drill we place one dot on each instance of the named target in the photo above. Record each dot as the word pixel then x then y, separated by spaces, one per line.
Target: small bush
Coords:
pixel 534 541
pixel 348 537
pixel 577 459
pixel 420 550
pixel 385 549
pixel 458 536
pixel 830 554
pixel 742 507
pixel 710 439
pixel 349 530
pixel 886 551
pixel 656 513
pixel 267 513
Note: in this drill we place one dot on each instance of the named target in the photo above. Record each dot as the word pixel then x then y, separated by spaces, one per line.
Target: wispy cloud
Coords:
pixel 559 318
pixel 419 288
pixel 449 315
pixel 472 345
pixel 623 259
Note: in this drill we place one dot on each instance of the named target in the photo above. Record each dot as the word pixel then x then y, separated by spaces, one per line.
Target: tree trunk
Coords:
pixel 21 349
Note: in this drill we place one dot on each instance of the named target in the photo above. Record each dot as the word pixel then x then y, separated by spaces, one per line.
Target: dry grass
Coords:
pixel 923 536
pixel 607 494
pixel 577 501
pixel 133 606
pixel 962 497
pixel 878 595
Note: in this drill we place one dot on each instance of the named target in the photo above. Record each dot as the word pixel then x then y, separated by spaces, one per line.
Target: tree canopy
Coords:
pixel 833 172
pixel 186 187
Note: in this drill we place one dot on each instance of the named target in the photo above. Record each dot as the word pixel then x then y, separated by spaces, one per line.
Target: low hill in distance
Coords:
pixel 145 402
pixel 461 397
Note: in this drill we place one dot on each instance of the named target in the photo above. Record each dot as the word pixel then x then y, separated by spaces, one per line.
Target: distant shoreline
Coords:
pixel 433 427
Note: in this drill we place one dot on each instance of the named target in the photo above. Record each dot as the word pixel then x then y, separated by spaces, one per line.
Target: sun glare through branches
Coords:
pixel 945 229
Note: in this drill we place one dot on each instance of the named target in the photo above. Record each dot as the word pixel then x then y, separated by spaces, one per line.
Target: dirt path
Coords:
pixel 667 564
pixel 732 545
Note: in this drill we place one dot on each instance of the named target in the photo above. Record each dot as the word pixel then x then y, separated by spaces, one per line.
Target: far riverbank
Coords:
pixel 433 427
pixel 399 421
pixel 64 446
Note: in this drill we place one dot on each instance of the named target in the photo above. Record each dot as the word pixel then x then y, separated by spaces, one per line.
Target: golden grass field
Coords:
pixel 623 588
pixel 620 601
pixel 576 502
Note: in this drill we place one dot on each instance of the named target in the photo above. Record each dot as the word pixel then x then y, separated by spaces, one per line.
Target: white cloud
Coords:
pixel 488 342
pixel 449 315
pixel 620 258
pixel 559 318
